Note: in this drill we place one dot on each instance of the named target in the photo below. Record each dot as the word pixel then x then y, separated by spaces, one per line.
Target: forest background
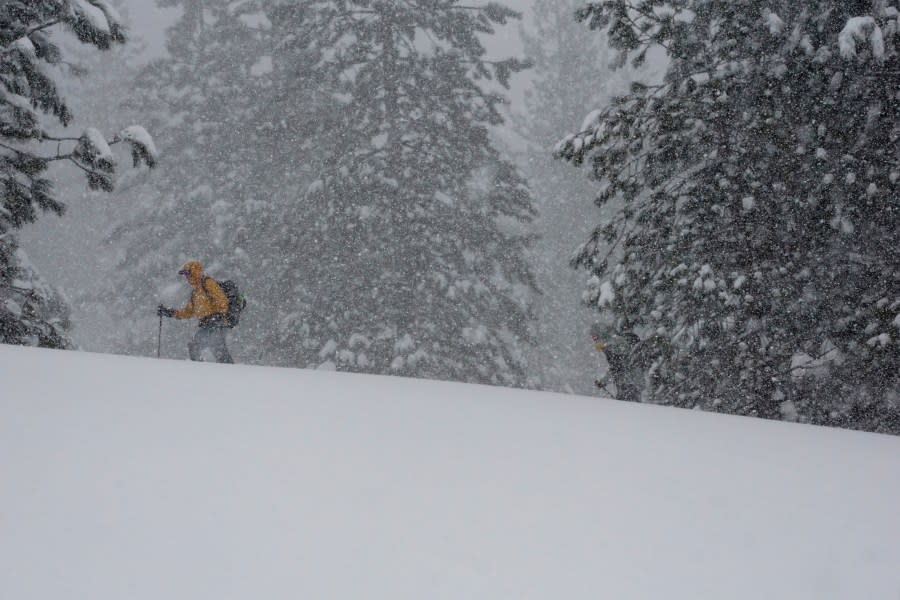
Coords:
pixel 384 180
pixel 76 254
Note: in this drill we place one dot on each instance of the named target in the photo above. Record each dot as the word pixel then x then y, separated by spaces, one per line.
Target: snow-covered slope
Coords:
pixel 134 479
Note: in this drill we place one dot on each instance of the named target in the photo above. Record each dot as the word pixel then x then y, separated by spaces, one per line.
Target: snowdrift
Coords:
pixel 125 478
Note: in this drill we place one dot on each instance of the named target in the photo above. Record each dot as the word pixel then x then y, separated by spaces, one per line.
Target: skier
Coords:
pixel 616 349
pixel 209 304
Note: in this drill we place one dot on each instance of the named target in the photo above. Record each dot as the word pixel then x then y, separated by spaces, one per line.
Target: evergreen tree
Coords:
pixel 101 83
pixel 31 312
pixel 759 230
pixel 412 248
pixel 350 187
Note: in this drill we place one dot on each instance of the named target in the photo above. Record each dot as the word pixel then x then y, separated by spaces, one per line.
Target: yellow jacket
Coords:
pixel 207 297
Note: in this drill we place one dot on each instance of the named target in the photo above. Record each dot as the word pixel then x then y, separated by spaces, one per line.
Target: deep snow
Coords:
pixel 134 479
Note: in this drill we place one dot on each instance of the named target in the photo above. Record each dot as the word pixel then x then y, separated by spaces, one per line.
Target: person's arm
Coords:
pixel 188 311
pixel 217 297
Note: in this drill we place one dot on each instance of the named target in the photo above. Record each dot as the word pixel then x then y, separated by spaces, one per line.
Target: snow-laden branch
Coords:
pixel 773 21
pixel 861 30
pixel 142 147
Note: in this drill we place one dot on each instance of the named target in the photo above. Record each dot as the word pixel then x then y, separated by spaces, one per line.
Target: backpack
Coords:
pixel 236 301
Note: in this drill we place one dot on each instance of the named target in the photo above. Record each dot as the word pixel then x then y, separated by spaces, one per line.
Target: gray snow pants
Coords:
pixel 210 338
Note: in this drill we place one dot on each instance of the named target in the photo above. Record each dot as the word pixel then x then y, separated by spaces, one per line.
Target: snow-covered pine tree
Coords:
pixel 412 242
pixel 31 312
pixel 759 232
pixel 101 84
pixel 570 76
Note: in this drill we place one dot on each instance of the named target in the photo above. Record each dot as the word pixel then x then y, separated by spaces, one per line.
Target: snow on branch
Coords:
pixel 94 150
pixel 112 15
pixel 574 146
pixel 776 25
pixel 95 22
pixel 861 29
pixel 142 147
pixel 593 120
pixel 93 155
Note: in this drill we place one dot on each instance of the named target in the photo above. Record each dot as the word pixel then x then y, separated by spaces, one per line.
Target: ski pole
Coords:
pixel 159 338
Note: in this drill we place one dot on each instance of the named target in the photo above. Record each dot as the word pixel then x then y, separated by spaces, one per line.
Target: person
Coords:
pixel 617 348
pixel 209 304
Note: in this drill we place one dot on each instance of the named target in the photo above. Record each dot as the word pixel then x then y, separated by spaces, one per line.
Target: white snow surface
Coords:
pixel 142 479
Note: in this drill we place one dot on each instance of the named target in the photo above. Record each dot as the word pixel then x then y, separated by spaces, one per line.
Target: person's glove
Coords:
pixel 162 311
